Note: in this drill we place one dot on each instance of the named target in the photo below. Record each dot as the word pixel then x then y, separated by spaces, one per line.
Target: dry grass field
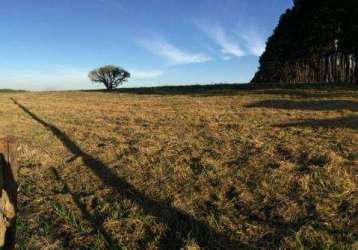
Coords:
pixel 230 169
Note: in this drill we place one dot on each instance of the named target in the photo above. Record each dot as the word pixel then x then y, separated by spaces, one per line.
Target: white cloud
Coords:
pixel 162 48
pixel 227 44
pixel 255 43
pixel 227 58
pixel 144 75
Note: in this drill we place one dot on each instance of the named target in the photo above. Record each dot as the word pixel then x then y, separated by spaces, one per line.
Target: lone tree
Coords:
pixel 111 76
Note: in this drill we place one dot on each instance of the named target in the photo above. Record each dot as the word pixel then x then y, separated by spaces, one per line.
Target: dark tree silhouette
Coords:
pixel 315 41
pixel 110 76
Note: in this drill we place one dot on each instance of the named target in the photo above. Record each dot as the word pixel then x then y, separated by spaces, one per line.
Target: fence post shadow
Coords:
pixel 179 223
pixel 110 242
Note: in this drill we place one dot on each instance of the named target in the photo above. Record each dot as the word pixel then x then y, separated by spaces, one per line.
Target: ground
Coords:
pixel 215 169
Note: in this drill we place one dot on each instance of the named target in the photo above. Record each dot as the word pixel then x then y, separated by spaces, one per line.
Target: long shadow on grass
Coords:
pixel 317 105
pixel 340 122
pixel 222 89
pixel 190 90
pixel 301 93
pixel 180 225
pixel 98 225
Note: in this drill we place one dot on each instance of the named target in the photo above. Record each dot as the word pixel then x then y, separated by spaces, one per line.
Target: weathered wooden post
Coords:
pixel 8 193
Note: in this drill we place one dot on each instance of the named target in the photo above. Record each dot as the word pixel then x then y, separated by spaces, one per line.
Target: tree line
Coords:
pixel 315 41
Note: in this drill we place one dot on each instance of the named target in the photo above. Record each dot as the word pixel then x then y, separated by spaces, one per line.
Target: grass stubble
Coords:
pixel 232 169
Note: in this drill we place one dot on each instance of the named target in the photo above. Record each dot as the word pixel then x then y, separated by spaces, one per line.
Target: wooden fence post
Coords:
pixel 8 192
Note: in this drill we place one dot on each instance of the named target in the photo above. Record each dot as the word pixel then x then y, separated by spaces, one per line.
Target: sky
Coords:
pixel 52 45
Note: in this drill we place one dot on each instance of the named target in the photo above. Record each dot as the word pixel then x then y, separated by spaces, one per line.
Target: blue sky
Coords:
pixel 51 45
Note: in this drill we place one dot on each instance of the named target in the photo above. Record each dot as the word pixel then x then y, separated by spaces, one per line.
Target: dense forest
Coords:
pixel 315 41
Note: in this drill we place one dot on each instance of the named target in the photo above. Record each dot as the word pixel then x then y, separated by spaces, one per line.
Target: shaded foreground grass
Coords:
pixel 179 223
pixel 226 170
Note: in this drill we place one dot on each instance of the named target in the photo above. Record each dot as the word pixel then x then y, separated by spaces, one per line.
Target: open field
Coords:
pixel 215 169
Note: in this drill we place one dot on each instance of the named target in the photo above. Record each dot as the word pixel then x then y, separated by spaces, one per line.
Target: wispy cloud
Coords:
pixel 255 42
pixel 161 47
pixel 227 58
pixel 248 41
pixel 145 74
pixel 229 46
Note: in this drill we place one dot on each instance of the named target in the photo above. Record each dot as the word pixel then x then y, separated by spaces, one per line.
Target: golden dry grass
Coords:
pixel 218 170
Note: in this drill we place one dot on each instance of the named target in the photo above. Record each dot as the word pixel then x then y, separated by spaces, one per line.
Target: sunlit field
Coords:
pixel 215 169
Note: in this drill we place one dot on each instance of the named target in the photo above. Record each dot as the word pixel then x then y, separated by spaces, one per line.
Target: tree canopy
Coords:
pixel 315 41
pixel 111 76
